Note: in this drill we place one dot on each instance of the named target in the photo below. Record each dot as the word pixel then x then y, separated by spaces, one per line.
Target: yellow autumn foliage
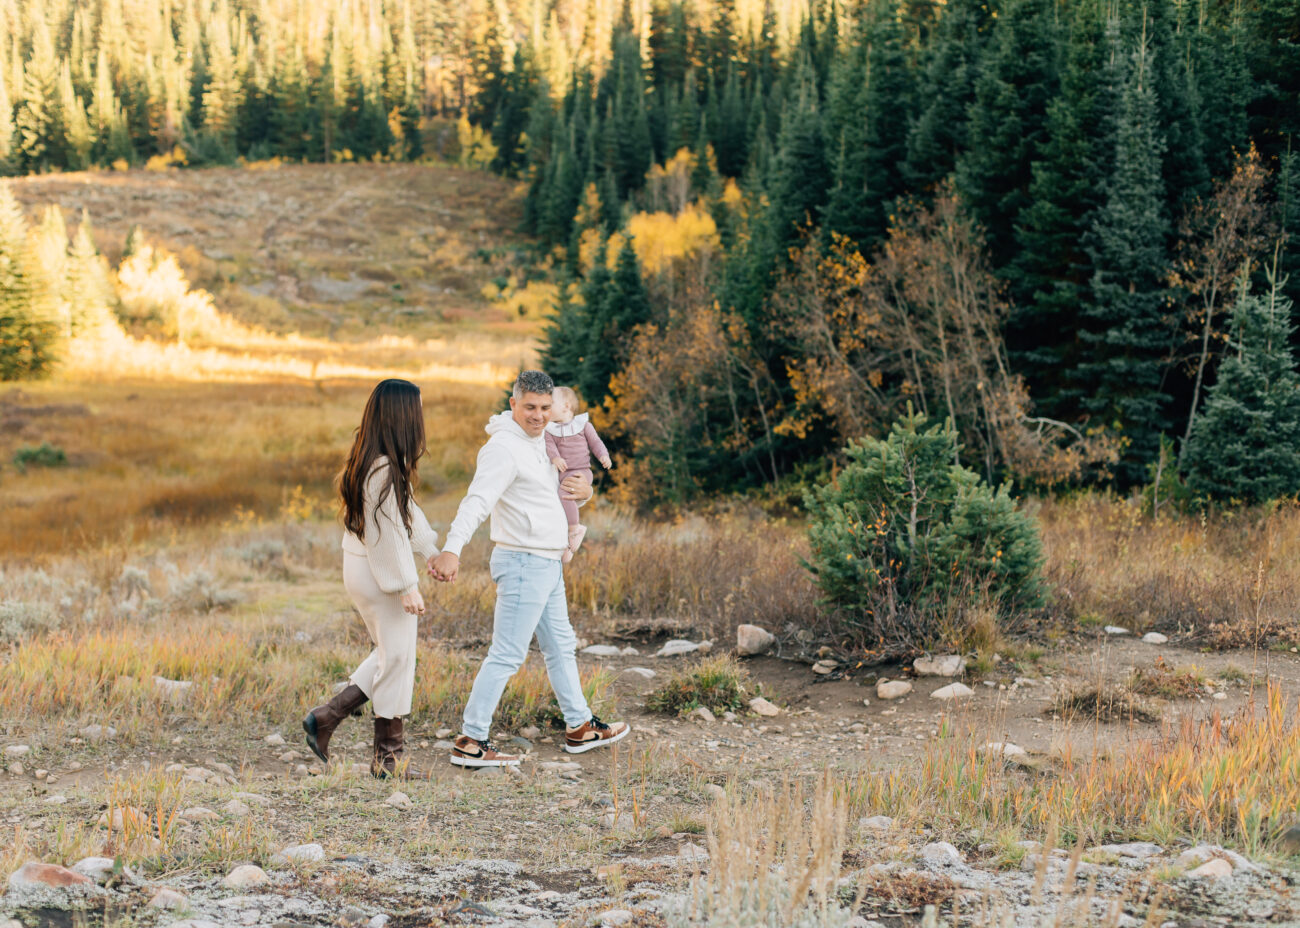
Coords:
pixel 660 238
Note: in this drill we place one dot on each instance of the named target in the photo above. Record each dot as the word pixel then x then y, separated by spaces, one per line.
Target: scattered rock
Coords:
pixel 1289 843
pixel 876 823
pixel 1219 695
pixel 1155 638
pixel 1116 630
pixel 253 799
pixel 300 854
pixel 245 876
pixel 399 800
pixel 822 668
pixel 17 750
pixel 858 921
pixel 705 647
pixel 33 874
pixel 952 691
pixel 275 740
pixel 1215 869
pixel 175 690
pixel 643 672
pixel 194 923
pixel 98 869
pixel 200 814
pixel 677 647
pixel 532 733
pixel 1005 748
pixel 17 769
pixel 715 791
pixel 167 898
pixel 760 706
pixel 692 853
pixel 55 800
pixel 752 640
pixel 893 689
pixel 236 809
pixel 947 665
pixel 941 852
pixel 702 714
pixel 379 921
pixel 601 650
pixel 123 817
pixel 443 733
pixel 614 820
pixel 98 732
pixel 1139 850
pixel 629 651
pixel 616 917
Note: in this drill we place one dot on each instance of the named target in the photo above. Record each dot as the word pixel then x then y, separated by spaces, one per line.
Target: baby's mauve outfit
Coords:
pixel 576 441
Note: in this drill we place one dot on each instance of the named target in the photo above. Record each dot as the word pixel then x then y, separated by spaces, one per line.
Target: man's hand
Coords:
pixel 606 462
pixel 413 603
pixel 576 487
pixel 560 464
pixel 444 567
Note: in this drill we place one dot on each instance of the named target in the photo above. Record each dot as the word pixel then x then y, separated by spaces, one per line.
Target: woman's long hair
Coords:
pixel 391 426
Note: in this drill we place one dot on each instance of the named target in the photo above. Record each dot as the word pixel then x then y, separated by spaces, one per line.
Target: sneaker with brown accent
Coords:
pixel 594 734
pixel 469 752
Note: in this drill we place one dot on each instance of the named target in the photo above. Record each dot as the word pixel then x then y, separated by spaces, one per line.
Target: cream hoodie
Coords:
pixel 516 484
pixel 387 545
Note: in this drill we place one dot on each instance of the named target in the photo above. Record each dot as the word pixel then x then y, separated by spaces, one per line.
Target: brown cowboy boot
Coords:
pixel 388 760
pixel 320 722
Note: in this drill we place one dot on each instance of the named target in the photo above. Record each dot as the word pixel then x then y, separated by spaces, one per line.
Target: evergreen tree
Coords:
pixel 89 292
pixel 801 178
pixel 1127 332
pixel 27 341
pixel 1008 120
pixel 1246 444
pixel 41 135
pixel 1050 275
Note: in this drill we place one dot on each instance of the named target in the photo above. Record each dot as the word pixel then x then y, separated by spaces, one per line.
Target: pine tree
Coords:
pixel 41 134
pixel 802 178
pixel 89 290
pixel 1128 334
pixel 1049 277
pixel 947 94
pixel 1008 120
pixel 27 341
pixel 1246 445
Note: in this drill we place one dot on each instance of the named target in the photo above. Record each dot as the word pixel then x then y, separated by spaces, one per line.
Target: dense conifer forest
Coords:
pixel 776 227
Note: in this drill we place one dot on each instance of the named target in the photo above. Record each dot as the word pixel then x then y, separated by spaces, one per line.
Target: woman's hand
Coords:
pixel 413 603
pixel 444 567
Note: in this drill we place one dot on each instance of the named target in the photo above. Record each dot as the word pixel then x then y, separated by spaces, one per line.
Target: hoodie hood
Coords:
pixel 573 427
pixel 504 422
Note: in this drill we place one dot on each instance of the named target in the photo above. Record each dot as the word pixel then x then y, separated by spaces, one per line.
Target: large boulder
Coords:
pixel 945 665
pixel 752 640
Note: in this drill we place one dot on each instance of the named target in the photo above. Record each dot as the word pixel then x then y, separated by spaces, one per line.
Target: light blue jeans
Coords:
pixel 530 600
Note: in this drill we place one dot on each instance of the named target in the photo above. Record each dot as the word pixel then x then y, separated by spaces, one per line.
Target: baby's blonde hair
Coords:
pixel 567 394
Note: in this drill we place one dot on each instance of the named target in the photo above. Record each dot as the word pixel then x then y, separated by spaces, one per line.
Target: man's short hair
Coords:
pixel 533 382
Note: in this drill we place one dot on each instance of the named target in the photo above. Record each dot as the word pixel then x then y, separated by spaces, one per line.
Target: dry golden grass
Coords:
pixel 1229 579
pixel 344 251
pixel 1227 781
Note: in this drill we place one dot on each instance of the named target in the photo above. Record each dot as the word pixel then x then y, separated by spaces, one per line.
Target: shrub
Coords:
pixel 904 537
pixel 20 620
pixel 717 683
pixel 42 455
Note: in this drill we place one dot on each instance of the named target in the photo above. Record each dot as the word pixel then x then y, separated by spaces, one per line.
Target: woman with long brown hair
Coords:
pixel 384 529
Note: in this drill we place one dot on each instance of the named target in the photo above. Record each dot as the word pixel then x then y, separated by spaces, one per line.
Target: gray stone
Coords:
pixel 174 690
pixel 194 923
pixel 952 691
pixel 1138 849
pixel 760 706
pixel 399 800
pixel 275 740
pixel 35 875
pixel 753 639
pixel 236 809
pixel 1004 748
pixel 1116 630
pixel 893 689
pixel 17 750
pixel 245 876
pixel 702 714
pixel 601 650
pixel 677 647
pixel 300 854
pixel 98 869
pixel 876 823
pixel 167 898
pixel 941 852
pixel 98 732
pixel 1155 638
pixel 947 665
pixel 1215 869
pixel 202 814
pixel 823 668
pixel 644 672
pixel 616 917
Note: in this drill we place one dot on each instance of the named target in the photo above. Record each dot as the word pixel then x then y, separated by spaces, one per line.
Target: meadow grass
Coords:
pixel 717 683
pixel 1222 780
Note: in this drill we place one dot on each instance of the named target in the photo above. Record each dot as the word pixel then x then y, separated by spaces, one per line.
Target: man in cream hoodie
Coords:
pixel 515 484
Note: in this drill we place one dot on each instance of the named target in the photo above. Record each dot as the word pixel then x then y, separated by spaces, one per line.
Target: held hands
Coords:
pixel 576 487
pixel 444 567
pixel 559 464
pixel 413 603
pixel 606 463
